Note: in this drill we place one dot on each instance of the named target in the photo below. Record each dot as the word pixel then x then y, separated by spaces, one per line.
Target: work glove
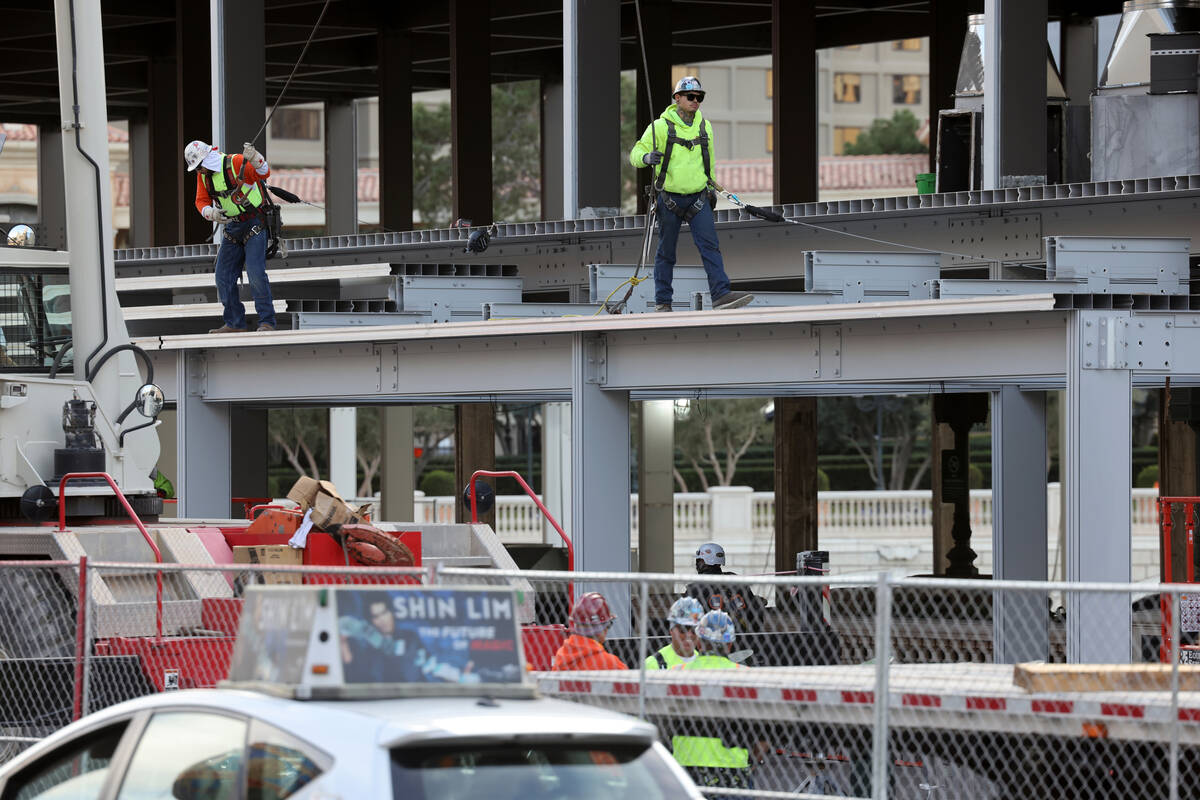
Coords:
pixel 214 214
pixel 252 155
pixel 651 158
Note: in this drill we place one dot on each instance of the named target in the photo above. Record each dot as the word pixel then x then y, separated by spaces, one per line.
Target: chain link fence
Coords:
pixel 888 687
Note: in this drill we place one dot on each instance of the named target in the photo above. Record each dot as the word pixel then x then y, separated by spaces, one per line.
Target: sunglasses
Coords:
pixel 695 98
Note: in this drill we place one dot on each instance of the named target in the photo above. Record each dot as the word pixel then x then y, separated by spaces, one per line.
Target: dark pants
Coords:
pixel 230 258
pixel 704 234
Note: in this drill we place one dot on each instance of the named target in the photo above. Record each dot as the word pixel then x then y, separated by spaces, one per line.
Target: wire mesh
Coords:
pixel 893 687
pixel 35 319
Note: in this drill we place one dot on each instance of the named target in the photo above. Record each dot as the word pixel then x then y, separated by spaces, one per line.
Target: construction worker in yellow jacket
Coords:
pixel 678 146
pixel 683 618
pixel 714 760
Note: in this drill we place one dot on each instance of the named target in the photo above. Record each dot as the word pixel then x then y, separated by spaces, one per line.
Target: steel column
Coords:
pixel 343 447
pixel 396 478
pixel 656 20
pixel 471 109
pixel 203 435
pixel 193 115
pixel 395 123
pixel 1079 64
pixel 552 149
pixel 1097 486
pixel 167 198
pixel 239 74
pixel 556 469
pixel 947 29
pixel 594 103
pixel 1019 523
pixel 141 203
pixel 1014 116
pixel 794 100
pixel 341 167
pixel 656 487
pixel 52 197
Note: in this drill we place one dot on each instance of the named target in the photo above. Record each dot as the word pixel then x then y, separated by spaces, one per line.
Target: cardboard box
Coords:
pixel 279 554
pixel 331 510
pixel 306 490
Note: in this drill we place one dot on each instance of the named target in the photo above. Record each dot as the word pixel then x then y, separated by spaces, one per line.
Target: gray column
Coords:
pixel 239 91
pixel 947 29
pixel 343 449
pixel 248 469
pixel 656 487
pixel 341 167
pixel 168 198
pixel 1097 487
pixel 656 18
pixel 192 109
pixel 1019 523
pixel 1079 65
pixel 471 109
pixel 395 123
pixel 396 479
pixel 552 150
pixel 556 469
pixel 141 203
pixel 591 107
pixel 1014 116
pixel 794 100
pixel 52 198
pixel 600 475
pixel 203 436
pixel 168 454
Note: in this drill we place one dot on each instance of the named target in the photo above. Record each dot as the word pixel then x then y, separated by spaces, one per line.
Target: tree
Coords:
pixel 895 135
pixel 431 426
pixel 516 157
pixel 716 434
pixel 300 433
pixel 845 423
pixel 369 454
pixel 631 181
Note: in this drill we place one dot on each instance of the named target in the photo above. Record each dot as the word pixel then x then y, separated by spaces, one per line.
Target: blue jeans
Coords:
pixel 230 258
pixel 704 234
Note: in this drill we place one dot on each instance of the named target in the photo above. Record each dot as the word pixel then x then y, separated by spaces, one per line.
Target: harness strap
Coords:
pixel 662 662
pixel 674 139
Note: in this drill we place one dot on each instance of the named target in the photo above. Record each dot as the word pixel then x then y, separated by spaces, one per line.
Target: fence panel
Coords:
pixel 896 687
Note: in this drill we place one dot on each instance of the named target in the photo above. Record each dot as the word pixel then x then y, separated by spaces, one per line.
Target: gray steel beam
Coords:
pixel 594 102
pixel 1097 462
pixel 168 198
pixel 141 218
pixel 656 487
pixel 396 479
pixel 193 84
pixel 1019 523
pixel 794 100
pixel 52 198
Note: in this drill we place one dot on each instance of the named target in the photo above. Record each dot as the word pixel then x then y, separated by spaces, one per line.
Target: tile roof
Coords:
pixel 836 172
pixel 29 133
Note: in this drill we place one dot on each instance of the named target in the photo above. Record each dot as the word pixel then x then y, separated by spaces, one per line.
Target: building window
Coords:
pixel 770 83
pixel 842 137
pixel 912 45
pixel 850 47
pixel 906 90
pixel 296 123
pixel 847 87
pixel 770 137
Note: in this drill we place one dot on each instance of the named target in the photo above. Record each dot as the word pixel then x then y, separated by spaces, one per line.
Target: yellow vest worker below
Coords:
pixel 708 751
pixel 685 172
pixel 669 657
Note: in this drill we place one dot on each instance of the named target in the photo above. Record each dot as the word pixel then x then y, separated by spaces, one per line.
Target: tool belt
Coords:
pixel 254 230
pixel 691 210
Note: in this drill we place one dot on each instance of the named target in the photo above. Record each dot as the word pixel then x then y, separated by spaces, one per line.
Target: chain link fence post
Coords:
pixel 81 609
pixel 1175 631
pixel 643 644
pixel 883 657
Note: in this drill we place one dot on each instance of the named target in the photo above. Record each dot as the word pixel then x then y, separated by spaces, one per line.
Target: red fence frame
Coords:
pixel 487 473
pixel 62 526
pixel 1166 524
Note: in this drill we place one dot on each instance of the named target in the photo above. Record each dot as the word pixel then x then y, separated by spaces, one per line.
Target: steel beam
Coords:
pixel 341 167
pixel 794 100
pixel 204 480
pixel 396 477
pixel 1014 93
pixel 471 110
pixel 1097 460
pixel 395 122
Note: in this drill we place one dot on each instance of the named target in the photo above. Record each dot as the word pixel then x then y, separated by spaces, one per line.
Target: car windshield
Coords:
pixel 536 772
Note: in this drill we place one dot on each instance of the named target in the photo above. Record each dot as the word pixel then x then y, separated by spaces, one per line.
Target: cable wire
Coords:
pixel 291 75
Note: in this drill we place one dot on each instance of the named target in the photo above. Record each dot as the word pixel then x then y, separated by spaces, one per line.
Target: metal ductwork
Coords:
pixel 971 64
pixel 1128 62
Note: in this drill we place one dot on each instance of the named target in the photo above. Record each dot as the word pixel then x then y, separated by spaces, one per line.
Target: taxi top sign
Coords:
pixel 397 641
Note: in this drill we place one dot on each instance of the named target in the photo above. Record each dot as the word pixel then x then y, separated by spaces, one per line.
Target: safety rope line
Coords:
pixel 291 75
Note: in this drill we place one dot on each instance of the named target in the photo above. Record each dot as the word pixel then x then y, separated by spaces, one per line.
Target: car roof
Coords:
pixel 391 722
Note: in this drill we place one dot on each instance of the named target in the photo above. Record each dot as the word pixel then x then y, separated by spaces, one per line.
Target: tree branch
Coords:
pixel 679 481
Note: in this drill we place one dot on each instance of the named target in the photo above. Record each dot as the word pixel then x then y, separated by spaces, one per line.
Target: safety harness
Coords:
pixel 234 192
pixel 672 140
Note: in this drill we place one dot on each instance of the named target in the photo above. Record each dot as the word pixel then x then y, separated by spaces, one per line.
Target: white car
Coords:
pixel 405 692
pixel 218 743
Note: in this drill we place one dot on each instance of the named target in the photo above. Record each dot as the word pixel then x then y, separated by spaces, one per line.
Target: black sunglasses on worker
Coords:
pixel 695 98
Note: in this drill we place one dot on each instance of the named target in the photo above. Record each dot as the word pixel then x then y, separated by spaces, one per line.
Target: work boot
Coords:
pixel 227 329
pixel 662 307
pixel 266 326
pixel 732 300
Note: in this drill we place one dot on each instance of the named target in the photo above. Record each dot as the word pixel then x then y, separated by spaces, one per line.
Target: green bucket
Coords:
pixel 926 182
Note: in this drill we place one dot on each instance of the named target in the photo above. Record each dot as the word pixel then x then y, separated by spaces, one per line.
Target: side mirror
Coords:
pixel 20 236
pixel 150 400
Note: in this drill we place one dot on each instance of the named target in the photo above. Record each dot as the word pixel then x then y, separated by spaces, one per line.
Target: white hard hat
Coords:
pixel 716 627
pixel 195 152
pixel 685 611
pixel 688 83
pixel 711 553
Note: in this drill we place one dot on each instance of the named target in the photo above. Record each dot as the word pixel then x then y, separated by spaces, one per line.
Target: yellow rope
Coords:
pixel 634 281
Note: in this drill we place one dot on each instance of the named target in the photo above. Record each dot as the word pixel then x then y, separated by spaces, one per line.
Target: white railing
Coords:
pixel 862 530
